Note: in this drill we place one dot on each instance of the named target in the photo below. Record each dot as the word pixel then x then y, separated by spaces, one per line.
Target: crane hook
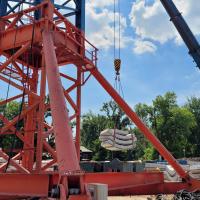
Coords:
pixel 117 65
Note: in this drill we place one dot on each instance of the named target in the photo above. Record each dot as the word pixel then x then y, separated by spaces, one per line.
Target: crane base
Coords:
pixel 15 186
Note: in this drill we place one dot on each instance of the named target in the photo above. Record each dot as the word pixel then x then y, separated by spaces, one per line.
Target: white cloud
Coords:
pixel 99 24
pixel 101 3
pixel 150 21
pixel 143 46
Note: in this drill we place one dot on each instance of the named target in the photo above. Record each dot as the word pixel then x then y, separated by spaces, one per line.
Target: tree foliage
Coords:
pixel 193 105
pixel 177 127
pixel 92 124
pixel 171 123
pixel 10 111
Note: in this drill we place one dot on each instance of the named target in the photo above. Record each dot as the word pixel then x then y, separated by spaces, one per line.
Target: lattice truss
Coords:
pixel 22 73
pixel 67 8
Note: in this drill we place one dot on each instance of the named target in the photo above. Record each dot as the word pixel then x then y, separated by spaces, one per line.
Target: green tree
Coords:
pixel 193 104
pixel 10 111
pixel 169 122
pixel 92 124
pixel 115 116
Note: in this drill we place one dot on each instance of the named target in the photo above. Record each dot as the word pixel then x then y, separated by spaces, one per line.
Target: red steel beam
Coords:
pixel 13 163
pixel 30 124
pixel 120 180
pixel 23 185
pixel 48 165
pixel 131 183
pixel 65 148
pixel 49 149
pixel 48 132
pixel 133 116
pixel 72 87
pixel 68 77
pixel 40 136
pixel 45 124
pixel 15 20
pixel 15 56
pixel 17 118
pixel 19 87
pixel 78 112
pixel 70 100
pixel 20 39
pixel 16 157
pixel 28 10
pixel 13 129
pixel 10 99
pixel 150 189
pixel 22 74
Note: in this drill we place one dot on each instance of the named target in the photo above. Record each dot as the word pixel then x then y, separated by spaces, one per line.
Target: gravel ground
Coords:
pixel 149 197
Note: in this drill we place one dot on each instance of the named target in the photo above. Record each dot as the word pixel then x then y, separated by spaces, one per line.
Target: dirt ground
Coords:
pixel 149 197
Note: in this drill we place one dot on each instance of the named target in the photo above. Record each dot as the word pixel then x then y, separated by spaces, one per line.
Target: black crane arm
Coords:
pixel 183 29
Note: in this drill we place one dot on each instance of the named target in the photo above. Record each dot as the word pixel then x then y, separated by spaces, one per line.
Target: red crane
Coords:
pixel 33 53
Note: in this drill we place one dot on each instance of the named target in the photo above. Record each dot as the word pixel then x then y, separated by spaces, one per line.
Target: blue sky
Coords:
pixel 154 58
